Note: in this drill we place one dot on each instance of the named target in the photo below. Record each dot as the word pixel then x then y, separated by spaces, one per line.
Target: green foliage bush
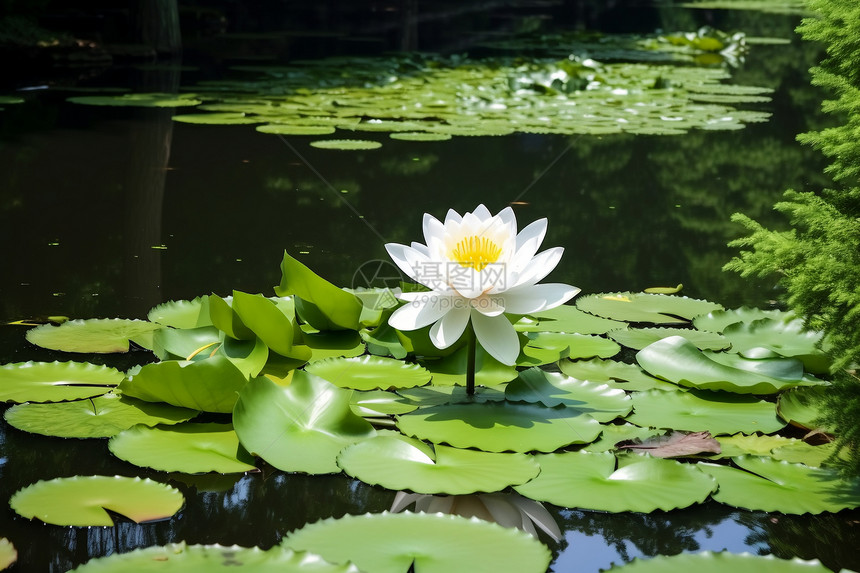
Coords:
pixel 819 257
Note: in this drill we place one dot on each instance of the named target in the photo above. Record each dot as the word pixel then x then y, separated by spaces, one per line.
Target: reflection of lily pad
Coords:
pixel 399 463
pixel 100 335
pixel 99 417
pixel 709 562
pixel 370 373
pixel 346 144
pixel 180 557
pixel 771 485
pixel 434 543
pixel 55 381
pixel 593 481
pixel 695 411
pixel 300 427
pixel 82 500
pixel 187 448
pixel 644 307
pixel 501 426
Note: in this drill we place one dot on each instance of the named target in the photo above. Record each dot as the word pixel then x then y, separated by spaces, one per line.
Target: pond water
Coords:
pixel 109 211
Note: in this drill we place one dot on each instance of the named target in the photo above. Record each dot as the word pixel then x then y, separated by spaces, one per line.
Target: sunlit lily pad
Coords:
pixel 718 320
pixel 755 444
pixel 377 403
pixel 187 448
pixel 709 562
pixel 208 385
pixel 419 136
pixel 614 373
pixel 300 427
pixel 639 338
pixel 567 318
pixel 399 463
pixel 99 335
pixel 55 381
pixel 434 543
pixel 346 144
pixel 547 347
pixel 600 401
pixel 771 485
pixel 699 410
pixel 501 426
pixel 288 129
pixel 272 321
pixel 801 406
pixel 180 557
pixel 99 417
pixel 225 118
pixel 139 100
pixel 678 360
pixel 82 500
pixel 599 481
pixel 370 373
pixel 644 307
pixel 186 344
pixel 184 314
pixel 8 554
pixel 785 338
pixel 451 369
pixel 434 395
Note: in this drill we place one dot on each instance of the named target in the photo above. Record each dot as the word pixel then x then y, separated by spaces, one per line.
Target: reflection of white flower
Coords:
pixel 477 268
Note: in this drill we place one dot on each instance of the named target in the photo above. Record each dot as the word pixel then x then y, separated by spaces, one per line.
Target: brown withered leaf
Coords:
pixel 674 445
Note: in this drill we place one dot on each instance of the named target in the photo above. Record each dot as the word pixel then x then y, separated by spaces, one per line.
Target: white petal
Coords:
pixel 420 313
pixel 453 216
pixel 405 258
pixel 497 336
pixel 433 229
pixel 539 267
pixel 482 213
pixel 507 216
pixel 450 328
pixel 421 248
pixel 528 242
pixel 488 305
pixel 533 298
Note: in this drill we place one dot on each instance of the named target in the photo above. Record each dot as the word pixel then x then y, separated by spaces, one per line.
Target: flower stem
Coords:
pixel 471 349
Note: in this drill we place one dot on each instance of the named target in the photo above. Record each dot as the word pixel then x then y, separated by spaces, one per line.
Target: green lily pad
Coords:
pixel 10 100
pixel 566 318
pixel 99 335
pixel 383 341
pixel 600 401
pixel 419 136
pixel 601 482
pixel 451 369
pixel 645 307
pixel 718 320
pixel 187 448
pixel 190 558
pixel 287 129
pixel 639 338
pixel 764 484
pixel 298 428
pixel 273 322
pixel 99 417
pixel 226 118
pixel 398 463
pixel 208 385
pixel 709 562
pixel 801 406
pixel 186 344
pixel 613 373
pixel 138 100
pixel 614 433
pixel 379 403
pixel 8 554
pixel 370 373
pixel 755 444
pixel 432 543
pixel 184 314
pixel 346 144
pixel 434 395
pixel 333 344
pixel 320 303
pixel 55 381
pixel 700 410
pixel 799 452
pixel 82 500
pixel 501 426
pixel 785 338
pixel 678 360
pixel 546 347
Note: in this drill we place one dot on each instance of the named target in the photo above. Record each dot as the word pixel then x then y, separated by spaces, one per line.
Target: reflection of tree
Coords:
pixel 824 537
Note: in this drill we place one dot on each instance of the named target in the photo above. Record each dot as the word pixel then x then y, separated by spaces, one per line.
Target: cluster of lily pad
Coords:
pixel 314 380
pixel 427 98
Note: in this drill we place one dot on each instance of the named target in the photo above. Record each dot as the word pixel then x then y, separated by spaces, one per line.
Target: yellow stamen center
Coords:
pixel 476 252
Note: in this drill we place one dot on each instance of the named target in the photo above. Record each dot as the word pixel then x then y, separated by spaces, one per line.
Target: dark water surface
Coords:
pixel 108 211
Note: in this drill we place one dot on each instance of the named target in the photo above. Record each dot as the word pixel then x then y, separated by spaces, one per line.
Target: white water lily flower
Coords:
pixel 477 268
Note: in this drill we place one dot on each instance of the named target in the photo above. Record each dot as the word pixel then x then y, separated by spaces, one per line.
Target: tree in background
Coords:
pixel 818 259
